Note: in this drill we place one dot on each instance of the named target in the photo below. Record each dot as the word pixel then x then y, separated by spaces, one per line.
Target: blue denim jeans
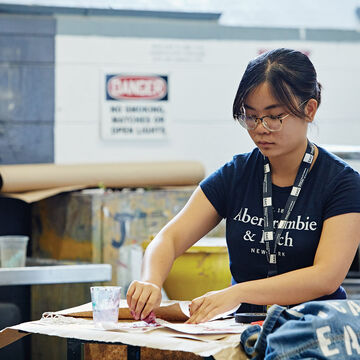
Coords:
pixel 313 330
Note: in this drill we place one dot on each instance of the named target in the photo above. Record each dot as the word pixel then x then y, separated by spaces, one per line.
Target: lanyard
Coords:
pixel 269 235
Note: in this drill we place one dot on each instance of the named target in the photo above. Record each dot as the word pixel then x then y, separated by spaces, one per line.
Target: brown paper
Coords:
pixel 31 196
pixel 221 346
pixel 166 312
pixel 30 177
pixel 8 336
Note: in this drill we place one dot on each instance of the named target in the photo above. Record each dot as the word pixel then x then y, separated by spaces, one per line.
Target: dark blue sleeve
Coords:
pixel 344 195
pixel 216 187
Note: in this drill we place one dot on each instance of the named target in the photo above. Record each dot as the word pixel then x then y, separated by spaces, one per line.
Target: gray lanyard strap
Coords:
pixel 269 235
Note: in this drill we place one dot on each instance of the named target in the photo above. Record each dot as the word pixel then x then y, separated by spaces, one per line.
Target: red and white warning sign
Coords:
pixel 134 106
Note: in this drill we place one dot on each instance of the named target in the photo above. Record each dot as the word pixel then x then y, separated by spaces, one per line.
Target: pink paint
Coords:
pixel 151 318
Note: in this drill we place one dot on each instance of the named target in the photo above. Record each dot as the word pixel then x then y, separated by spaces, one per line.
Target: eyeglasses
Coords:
pixel 270 122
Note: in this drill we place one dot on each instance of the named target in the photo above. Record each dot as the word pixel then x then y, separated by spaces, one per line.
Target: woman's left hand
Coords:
pixel 211 304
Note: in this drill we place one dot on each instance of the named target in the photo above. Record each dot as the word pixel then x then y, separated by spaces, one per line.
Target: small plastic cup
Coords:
pixel 13 250
pixel 105 304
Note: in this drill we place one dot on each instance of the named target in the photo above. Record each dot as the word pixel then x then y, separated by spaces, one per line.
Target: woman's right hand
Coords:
pixel 143 297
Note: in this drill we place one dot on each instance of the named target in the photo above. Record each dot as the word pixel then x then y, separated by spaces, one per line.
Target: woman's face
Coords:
pixel 291 137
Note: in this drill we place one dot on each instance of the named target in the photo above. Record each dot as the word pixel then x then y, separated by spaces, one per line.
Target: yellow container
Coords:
pixel 202 268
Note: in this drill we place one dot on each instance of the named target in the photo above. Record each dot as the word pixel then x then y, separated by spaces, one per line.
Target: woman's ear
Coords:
pixel 310 109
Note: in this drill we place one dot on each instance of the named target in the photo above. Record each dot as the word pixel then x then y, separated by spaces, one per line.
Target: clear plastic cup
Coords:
pixel 13 250
pixel 105 305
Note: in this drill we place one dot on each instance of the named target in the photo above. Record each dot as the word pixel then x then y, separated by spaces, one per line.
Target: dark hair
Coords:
pixel 290 74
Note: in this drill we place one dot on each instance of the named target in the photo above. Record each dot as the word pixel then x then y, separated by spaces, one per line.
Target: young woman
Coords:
pixel 291 208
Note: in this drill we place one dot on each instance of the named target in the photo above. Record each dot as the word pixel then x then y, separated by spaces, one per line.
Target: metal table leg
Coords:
pixel 74 349
pixel 133 352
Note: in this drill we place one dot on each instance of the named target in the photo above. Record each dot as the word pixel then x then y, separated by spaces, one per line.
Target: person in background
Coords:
pixel 291 208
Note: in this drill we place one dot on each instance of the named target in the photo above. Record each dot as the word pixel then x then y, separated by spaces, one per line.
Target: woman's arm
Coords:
pixel 339 240
pixel 195 220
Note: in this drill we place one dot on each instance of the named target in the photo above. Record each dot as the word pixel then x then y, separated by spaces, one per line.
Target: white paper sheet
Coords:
pixel 216 338
pixel 226 326
pixel 162 338
pixel 185 308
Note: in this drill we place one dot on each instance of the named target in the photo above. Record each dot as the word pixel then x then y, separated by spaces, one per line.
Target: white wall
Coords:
pixel 203 78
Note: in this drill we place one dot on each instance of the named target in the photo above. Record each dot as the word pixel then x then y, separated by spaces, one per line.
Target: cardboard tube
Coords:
pixel 30 177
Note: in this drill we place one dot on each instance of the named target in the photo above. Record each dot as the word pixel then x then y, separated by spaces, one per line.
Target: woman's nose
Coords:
pixel 261 129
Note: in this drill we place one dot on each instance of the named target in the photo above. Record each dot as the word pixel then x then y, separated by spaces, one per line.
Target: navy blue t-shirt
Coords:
pixel 331 188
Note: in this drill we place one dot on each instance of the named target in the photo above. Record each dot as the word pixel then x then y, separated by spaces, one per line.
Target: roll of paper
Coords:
pixel 31 177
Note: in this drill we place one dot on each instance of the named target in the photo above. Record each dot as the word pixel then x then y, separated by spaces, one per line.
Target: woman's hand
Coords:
pixel 211 304
pixel 142 298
